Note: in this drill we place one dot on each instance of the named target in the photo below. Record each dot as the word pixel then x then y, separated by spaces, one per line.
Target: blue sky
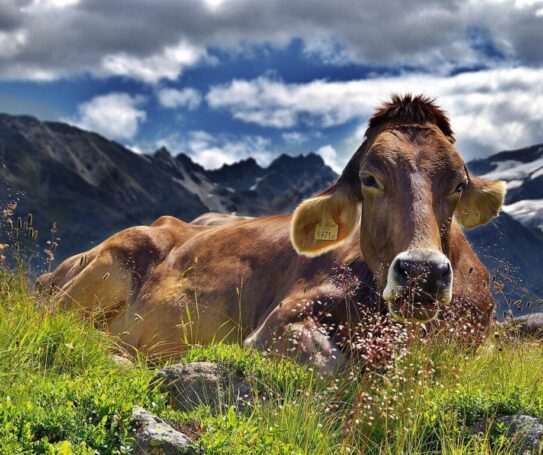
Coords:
pixel 223 80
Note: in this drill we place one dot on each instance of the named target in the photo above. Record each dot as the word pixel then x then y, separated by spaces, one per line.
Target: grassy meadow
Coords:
pixel 61 393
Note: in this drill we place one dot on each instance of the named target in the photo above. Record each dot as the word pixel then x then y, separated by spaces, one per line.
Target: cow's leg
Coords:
pixel 290 331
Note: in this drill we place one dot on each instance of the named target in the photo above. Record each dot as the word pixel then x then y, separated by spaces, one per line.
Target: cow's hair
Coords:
pixel 409 109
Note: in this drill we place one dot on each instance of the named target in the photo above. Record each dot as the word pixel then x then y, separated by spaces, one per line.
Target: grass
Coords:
pixel 61 393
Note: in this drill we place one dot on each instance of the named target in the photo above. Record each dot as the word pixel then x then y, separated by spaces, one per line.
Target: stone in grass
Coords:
pixel 529 324
pixel 122 361
pixel 153 436
pixel 189 385
pixel 524 432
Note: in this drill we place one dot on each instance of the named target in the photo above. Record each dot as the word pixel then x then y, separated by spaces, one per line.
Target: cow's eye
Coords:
pixel 370 181
pixel 460 187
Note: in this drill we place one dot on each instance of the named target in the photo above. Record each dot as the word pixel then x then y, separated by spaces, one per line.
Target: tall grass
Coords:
pixel 60 392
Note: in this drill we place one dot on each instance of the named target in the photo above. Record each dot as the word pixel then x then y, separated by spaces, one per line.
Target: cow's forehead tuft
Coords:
pixel 411 110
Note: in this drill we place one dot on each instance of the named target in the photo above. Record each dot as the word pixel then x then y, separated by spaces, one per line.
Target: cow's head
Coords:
pixel 404 187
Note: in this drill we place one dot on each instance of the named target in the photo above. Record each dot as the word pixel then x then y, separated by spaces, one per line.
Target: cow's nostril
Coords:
pixel 400 267
pixel 444 269
pixel 409 268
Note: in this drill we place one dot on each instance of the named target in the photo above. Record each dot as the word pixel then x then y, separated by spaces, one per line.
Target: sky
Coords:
pixel 224 80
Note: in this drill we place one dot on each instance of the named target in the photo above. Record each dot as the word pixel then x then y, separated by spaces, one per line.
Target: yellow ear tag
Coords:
pixel 326 230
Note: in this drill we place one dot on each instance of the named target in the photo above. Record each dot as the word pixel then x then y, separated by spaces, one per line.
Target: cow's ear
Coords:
pixel 324 222
pixel 480 202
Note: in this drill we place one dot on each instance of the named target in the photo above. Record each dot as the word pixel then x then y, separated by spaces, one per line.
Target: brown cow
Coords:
pixel 393 219
pixel 218 219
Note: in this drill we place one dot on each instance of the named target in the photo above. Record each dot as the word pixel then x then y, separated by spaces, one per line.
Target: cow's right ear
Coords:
pixel 324 222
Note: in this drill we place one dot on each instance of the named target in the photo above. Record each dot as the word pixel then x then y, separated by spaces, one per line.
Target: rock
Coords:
pixel 192 384
pixel 529 324
pixel 153 436
pixel 525 432
pixel 122 361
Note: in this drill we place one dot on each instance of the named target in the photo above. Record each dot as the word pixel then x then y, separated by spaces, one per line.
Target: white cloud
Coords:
pixel 158 40
pixel 167 64
pixel 40 5
pixel 212 151
pixel 294 137
pixel 272 103
pixel 172 98
pixel 12 43
pixel 115 115
pixel 331 157
pixel 490 110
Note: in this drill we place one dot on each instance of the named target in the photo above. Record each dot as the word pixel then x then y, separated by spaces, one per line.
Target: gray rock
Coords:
pixel 192 384
pixel 524 432
pixel 122 361
pixel 529 324
pixel 153 436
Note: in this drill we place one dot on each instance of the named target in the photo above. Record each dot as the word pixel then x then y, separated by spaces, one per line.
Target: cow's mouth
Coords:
pixel 417 311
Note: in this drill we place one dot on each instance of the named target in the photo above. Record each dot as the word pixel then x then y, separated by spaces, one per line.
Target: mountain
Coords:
pixel 512 245
pixel 523 171
pixel 92 187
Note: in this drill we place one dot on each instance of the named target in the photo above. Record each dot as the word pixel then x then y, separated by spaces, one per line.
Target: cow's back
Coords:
pixel 129 254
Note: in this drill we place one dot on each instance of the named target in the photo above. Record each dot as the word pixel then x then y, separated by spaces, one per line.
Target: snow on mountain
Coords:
pixel 523 171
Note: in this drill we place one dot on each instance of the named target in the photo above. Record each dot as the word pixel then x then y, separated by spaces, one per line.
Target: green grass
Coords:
pixel 60 392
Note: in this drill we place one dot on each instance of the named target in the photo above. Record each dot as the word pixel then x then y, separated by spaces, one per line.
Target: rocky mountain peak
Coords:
pixel 162 153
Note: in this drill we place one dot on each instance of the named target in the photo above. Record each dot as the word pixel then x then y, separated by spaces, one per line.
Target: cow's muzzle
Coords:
pixel 418 282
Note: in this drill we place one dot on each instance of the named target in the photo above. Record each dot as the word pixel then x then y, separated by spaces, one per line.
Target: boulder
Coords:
pixel 153 436
pixel 524 432
pixel 189 385
pixel 529 324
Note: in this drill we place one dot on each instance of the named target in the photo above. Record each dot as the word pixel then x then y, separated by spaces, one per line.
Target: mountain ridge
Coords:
pixel 92 187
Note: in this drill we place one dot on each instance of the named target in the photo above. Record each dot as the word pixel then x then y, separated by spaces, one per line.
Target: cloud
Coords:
pixel 294 137
pixel 212 151
pixel 272 103
pixel 169 63
pixel 331 157
pixel 172 98
pixel 115 115
pixel 491 110
pixel 159 40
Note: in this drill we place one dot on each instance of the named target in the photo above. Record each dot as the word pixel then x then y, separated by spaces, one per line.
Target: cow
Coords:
pixel 392 223
pixel 218 219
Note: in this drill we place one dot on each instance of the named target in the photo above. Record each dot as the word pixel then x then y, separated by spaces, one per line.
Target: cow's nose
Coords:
pixel 431 276
pixel 424 275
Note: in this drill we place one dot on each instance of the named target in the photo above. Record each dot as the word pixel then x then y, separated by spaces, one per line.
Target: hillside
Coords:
pixel 512 245
pixel 523 171
pixel 91 186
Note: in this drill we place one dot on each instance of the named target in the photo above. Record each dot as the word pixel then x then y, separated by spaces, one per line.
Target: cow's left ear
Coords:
pixel 324 222
pixel 480 202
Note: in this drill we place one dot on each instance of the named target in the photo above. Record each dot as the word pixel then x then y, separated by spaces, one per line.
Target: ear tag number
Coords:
pixel 326 230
